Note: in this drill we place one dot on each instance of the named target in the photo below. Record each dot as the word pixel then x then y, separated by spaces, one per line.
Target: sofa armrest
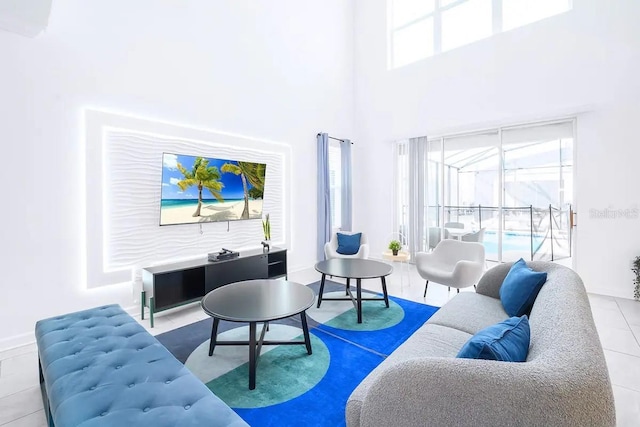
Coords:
pixel 492 279
pixel 466 392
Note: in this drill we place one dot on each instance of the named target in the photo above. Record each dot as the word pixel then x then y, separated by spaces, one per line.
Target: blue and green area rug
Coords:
pixel 292 387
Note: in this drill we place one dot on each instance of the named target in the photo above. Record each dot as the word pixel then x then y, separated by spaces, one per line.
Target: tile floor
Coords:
pixel 617 320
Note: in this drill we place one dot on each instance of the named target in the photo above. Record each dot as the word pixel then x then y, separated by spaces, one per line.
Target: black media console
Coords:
pixel 172 285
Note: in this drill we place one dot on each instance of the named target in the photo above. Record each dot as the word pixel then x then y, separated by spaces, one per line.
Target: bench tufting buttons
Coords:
pixel 93 388
pixel 103 414
pixel 119 366
pixel 131 385
pixel 187 406
pixel 146 409
pixel 167 382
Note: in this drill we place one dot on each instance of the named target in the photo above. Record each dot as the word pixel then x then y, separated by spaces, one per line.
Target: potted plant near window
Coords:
pixel 395 246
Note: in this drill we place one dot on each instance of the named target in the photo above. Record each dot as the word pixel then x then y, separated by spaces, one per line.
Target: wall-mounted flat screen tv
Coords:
pixel 202 189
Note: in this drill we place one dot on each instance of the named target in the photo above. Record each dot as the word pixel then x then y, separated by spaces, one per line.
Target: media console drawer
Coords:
pixel 172 285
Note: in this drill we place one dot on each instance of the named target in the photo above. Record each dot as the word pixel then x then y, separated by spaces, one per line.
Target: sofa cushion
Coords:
pixel 470 312
pixel 348 244
pixel 507 341
pixel 520 288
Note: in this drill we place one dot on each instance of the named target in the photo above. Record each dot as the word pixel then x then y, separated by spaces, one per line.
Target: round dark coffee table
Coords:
pixel 354 268
pixel 256 301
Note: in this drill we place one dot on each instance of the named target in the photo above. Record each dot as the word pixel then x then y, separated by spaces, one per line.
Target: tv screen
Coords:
pixel 202 189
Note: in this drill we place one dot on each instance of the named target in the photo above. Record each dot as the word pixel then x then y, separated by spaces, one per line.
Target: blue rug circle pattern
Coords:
pixel 375 315
pixel 283 373
pixel 315 395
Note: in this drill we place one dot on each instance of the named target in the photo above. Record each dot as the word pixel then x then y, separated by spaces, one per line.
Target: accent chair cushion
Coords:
pixel 348 244
pixel 520 288
pixel 507 341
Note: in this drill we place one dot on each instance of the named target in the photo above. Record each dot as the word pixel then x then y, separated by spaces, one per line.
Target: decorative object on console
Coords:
pixel 395 246
pixel 636 271
pixel 237 188
pixel 224 254
pixel 266 228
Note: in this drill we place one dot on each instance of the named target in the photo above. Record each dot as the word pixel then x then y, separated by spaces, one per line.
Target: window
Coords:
pixel 466 22
pixel 517 13
pixel 515 183
pixel 419 29
pixel 335 184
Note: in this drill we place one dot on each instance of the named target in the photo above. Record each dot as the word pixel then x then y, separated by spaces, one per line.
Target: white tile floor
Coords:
pixel 617 320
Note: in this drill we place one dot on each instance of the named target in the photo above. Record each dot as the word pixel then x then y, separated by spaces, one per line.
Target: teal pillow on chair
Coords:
pixel 520 288
pixel 348 244
pixel 507 341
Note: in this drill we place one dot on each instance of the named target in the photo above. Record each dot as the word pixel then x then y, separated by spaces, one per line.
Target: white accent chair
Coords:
pixel 477 236
pixel 331 247
pixel 452 263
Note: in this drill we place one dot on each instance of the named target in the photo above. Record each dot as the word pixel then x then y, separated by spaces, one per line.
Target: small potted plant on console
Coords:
pixel 266 229
pixel 395 246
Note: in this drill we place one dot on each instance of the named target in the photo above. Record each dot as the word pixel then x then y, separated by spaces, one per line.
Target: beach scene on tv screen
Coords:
pixel 202 189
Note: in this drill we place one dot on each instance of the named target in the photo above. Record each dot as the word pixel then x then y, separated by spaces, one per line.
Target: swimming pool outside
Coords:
pixel 514 245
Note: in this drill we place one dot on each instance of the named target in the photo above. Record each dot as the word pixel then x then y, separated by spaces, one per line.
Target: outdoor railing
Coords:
pixel 547 229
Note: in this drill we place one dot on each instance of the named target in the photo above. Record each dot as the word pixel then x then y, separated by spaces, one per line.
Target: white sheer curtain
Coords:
pixel 417 159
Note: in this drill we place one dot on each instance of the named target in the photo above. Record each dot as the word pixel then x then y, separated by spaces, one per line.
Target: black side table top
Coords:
pixel 354 268
pixel 258 300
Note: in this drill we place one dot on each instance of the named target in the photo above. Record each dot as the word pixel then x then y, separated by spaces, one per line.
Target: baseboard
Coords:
pixel 29 338
pixel 17 341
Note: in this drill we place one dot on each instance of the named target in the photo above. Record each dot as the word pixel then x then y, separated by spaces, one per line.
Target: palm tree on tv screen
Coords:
pixel 252 173
pixel 203 176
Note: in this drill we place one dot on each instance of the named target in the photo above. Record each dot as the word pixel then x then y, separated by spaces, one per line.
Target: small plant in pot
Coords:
pixel 266 228
pixel 395 246
pixel 636 281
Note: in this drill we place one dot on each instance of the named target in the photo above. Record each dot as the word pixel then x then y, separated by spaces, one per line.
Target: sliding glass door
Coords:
pixel 510 188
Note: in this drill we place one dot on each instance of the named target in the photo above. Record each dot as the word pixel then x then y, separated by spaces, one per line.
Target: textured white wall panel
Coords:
pixel 124 171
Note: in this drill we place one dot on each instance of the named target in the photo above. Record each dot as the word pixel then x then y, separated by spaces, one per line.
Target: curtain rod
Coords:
pixel 336 139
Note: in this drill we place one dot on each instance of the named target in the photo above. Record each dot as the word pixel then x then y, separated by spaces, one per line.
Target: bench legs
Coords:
pixel 45 398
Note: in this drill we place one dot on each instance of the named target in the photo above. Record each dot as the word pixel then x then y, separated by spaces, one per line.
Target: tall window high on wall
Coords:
pixel 513 183
pixel 419 29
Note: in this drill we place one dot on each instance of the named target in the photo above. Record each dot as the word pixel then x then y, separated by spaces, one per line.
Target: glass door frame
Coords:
pixel 441 140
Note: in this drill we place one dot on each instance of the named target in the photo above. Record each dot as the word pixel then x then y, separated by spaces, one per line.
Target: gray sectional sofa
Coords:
pixel 564 381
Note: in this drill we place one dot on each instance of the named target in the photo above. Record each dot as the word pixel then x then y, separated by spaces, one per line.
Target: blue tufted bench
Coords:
pixel 100 367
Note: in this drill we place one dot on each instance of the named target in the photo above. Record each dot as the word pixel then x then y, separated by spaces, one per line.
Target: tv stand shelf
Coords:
pixel 172 285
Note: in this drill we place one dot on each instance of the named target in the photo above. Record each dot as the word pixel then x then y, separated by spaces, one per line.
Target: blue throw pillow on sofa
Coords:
pixel 520 288
pixel 348 244
pixel 507 341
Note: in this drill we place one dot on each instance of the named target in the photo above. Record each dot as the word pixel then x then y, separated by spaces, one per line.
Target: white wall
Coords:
pixel 279 70
pixel 582 62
